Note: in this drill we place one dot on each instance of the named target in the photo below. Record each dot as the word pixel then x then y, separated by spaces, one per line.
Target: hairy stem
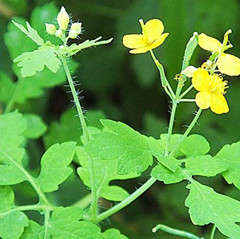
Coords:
pixel 175 232
pixel 46 223
pixel 94 204
pixel 194 121
pixel 127 201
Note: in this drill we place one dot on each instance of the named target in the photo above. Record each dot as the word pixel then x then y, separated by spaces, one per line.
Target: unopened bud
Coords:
pixel 58 33
pixel 63 19
pixel 189 71
pixel 50 29
pixel 75 30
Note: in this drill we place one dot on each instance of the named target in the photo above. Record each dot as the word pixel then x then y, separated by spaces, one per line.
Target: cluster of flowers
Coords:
pixel 63 22
pixel 206 79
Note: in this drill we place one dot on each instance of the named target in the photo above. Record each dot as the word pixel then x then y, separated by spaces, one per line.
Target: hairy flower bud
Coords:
pixel 63 19
pixel 50 29
pixel 189 71
pixel 75 30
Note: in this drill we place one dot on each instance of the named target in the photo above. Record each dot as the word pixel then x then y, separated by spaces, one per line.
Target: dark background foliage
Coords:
pixel 127 88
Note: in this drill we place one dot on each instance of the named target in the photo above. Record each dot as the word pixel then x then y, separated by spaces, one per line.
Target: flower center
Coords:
pixel 217 84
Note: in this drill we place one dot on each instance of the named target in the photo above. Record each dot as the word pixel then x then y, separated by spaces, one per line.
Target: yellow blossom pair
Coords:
pixel 152 37
pixel 226 63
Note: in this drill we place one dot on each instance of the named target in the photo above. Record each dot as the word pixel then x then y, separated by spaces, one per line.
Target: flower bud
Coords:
pixel 58 33
pixel 50 29
pixel 189 71
pixel 63 19
pixel 75 30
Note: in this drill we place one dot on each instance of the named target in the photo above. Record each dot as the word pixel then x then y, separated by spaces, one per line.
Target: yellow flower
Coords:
pixel 226 63
pixel 211 91
pixel 63 19
pixel 152 36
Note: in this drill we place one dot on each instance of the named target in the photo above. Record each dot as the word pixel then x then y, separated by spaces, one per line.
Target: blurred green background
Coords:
pixel 127 88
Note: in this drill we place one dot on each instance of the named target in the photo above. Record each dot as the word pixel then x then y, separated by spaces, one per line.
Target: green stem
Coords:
pixel 186 100
pixel 46 223
pixel 186 91
pixel 194 121
pixel 213 231
pixel 83 202
pixel 94 204
pixel 175 232
pixel 36 207
pixel 127 201
pixel 167 87
pixel 170 127
pixel 30 179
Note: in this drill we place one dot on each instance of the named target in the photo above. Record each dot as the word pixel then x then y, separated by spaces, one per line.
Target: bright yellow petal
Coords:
pixel 201 80
pixel 159 41
pixel 141 50
pixel 229 64
pixel 219 104
pixel 204 99
pixel 209 43
pixel 153 29
pixel 134 41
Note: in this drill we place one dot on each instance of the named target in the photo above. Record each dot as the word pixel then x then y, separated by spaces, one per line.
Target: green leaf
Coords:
pixel 6 87
pixel 30 32
pixel 35 126
pixel 74 48
pixel 229 155
pixel 169 162
pixel 64 223
pixel 194 145
pixel 33 62
pixel 205 165
pixel 162 173
pixel 68 128
pixel 12 126
pixel 206 206
pixel 54 166
pixel 105 171
pixel 119 141
pixel 33 231
pixel 113 234
pixel 12 222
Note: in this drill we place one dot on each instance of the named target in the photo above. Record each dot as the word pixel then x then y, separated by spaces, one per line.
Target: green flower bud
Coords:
pixel 63 19
pixel 50 29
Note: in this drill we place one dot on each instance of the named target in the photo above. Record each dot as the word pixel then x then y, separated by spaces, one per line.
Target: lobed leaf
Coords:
pixel 206 206
pixel 12 222
pixel 113 234
pixel 205 165
pixel 55 166
pixel 33 62
pixel 162 173
pixel 105 171
pixel 64 223
pixel 229 155
pixel 12 126
pixel 33 231
pixel 30 32
pixel 120 142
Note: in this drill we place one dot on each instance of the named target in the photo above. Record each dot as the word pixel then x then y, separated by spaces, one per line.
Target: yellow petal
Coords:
pixel 203 99
pixel 159 41
pixel 141 50
pixel 201 80
pixel 219 104
pixel 229 64
pixel 153 30
pixel 134 41
pixel 209 43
